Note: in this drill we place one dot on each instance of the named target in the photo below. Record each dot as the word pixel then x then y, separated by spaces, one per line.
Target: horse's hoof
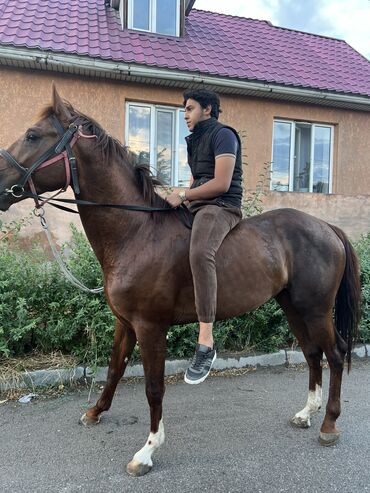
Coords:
pixel 328 439
pixel 136 468
pixel 88 420
pixel 298 422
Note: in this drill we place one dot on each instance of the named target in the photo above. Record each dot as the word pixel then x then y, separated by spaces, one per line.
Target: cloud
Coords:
pixel 302 16
pixel 335 18
pixel 255 9
pixel 343 19
pixel 350 21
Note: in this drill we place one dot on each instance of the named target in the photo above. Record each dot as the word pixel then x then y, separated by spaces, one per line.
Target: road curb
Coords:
pixel 57 377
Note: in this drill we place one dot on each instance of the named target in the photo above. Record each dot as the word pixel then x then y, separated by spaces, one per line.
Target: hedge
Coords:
pixel 41 311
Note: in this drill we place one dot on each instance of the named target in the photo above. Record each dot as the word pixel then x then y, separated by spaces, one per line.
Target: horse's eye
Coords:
pixel 31 136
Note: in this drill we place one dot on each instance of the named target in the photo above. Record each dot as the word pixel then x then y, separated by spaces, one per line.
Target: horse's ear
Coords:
pixel 59 107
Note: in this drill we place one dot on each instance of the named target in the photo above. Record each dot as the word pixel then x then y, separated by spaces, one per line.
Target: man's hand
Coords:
pixel 174 199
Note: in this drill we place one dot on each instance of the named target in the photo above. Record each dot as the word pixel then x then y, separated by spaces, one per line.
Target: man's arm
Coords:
pixel 225 148
pixel 224 169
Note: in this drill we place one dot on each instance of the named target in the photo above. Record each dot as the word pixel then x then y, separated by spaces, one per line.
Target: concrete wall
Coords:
pixel 24 93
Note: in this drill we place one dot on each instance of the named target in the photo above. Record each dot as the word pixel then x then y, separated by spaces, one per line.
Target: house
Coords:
pixel 301 101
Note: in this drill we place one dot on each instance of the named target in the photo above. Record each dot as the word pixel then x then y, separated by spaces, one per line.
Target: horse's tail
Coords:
pixel 348 299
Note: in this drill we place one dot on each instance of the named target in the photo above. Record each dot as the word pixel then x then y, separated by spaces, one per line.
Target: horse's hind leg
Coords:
pixel 153 352
pixel 335 354
pixel 321 331
pixel 314 328
pixel 124 343
pixel 313 354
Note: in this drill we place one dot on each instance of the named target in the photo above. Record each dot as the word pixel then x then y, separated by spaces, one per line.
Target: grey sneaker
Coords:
pixel 201 364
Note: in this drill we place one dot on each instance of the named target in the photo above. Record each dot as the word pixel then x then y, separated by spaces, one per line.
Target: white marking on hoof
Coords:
pixel 86 421
pixel 135 468
pixel 329 439
pixel 314 401
pixel 142 460
pixel 299 422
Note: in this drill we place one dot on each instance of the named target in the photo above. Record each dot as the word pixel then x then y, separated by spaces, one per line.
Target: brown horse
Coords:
pixel 307 265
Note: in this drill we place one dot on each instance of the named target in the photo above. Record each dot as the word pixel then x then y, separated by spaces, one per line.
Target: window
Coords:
pixel 157 135
pixel 158 16
pixel 302 156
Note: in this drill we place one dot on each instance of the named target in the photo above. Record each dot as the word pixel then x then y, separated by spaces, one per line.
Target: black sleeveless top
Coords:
pixel 201 159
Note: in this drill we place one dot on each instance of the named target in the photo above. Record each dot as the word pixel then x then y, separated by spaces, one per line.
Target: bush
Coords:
pixel 40 310
pixel 363 250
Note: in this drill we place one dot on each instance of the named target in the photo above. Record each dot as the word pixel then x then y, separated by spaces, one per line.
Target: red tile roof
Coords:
pixel 214 44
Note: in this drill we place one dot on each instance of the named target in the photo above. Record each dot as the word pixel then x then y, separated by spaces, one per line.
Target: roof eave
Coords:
pixel 108 69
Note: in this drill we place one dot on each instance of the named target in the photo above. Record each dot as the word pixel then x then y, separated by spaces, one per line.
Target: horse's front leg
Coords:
pixel 152 343
pixel 124 343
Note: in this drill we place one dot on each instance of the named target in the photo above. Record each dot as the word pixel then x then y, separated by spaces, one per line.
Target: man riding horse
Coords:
pixel 214 196
pixel 306 264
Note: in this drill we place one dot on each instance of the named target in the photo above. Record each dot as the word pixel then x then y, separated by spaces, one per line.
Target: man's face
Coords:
pixel 194 113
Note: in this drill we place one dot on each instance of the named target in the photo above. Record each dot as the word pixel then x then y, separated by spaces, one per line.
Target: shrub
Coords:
pixel 363 250
pixel 40 310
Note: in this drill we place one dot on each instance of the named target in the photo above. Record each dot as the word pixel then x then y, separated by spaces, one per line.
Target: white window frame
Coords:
pixel 154 108
pixel 292 152
pixel 121 10
pixel 152 17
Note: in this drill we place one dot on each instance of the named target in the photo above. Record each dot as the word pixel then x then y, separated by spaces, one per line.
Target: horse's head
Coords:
pixel 22 164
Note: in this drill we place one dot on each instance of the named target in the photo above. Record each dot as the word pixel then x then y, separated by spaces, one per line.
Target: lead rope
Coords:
pixel 68 274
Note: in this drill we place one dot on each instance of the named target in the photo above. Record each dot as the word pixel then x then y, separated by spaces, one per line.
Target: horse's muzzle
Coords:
pixel 6 200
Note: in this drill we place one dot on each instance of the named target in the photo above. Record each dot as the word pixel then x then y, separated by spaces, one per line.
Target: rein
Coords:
pixel 62 150
pixel 126 207
pixel 68 274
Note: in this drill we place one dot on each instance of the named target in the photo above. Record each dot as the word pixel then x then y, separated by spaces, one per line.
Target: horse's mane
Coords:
pixel 111 149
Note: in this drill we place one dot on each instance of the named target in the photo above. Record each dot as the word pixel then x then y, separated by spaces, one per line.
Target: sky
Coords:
pixel 343 19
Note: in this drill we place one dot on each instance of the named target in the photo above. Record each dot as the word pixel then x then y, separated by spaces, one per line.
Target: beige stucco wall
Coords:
pixel 23 93
pixel 350 212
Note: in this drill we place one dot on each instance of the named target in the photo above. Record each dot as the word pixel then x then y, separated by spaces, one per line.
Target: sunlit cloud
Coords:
pixel 335 18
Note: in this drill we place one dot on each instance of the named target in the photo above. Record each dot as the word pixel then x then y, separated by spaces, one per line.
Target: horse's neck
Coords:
pixel 108 229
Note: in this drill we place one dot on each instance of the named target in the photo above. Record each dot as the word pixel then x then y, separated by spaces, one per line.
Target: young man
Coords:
pixel 214 196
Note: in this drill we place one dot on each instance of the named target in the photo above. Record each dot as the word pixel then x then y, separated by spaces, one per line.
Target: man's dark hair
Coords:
pixel 204 98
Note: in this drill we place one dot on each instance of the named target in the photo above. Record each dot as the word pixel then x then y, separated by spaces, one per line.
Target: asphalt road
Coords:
pixel 230 434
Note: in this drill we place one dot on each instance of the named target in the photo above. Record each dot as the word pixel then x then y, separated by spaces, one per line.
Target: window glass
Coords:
pixel 157 136
pixel 141 14
pixel 139 132
pixel 302 158
pixel 164 145
pixel 309 169
pixel 184 170
pixel 166 17
pixel 281 156
pixel 321 159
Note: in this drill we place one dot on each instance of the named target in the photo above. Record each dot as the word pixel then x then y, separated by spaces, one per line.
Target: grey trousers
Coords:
pixel 211 224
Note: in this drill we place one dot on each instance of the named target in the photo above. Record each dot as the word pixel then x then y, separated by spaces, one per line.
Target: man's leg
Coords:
pixel 206 334
pixel 211 225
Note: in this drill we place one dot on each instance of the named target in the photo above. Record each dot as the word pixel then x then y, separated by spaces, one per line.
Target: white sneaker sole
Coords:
pixel 196 382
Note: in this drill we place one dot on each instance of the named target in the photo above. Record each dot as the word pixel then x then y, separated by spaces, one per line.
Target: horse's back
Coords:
pixel 277 250
pixel 288 230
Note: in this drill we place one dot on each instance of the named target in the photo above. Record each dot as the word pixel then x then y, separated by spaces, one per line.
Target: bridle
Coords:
pixel 61 150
